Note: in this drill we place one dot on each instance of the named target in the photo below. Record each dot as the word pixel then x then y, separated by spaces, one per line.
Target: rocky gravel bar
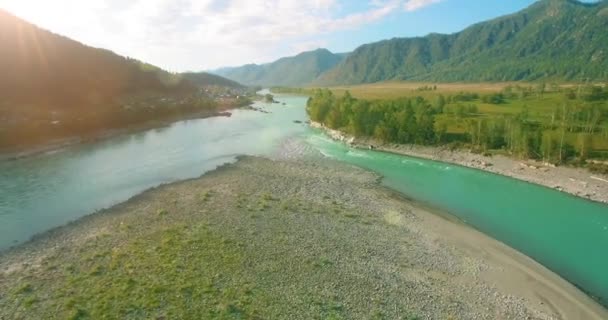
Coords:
pixel 278 239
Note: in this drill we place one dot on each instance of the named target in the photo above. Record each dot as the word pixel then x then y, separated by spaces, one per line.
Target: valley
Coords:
pixel 389 171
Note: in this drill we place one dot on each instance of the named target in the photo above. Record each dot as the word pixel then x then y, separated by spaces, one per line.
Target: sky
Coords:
pixel 194 35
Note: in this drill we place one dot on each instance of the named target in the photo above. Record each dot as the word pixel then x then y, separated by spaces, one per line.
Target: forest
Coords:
pixel 553 124
pixel 551 40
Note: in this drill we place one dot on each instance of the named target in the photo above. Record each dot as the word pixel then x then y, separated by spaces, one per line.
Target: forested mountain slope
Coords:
pixel 209 79
pixel 552 39
pixel 291 71
pixel 44 68
pixel 52 87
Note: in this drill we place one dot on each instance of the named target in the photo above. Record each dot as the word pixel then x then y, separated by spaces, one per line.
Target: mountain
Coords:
pixel 291 71
pixel 208 79
pixel 52 87
pixel 561 40
pixel 41 67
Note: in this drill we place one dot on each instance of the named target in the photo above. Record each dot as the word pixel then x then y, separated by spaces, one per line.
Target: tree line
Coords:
pixel 565 134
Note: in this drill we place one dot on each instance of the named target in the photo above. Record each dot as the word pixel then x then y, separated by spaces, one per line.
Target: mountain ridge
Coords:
pixel 532 44
pixel 210 79
pixel 296 70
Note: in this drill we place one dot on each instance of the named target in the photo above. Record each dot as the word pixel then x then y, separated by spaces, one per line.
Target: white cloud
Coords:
pixel 198 34
pixel 413 5
pixel 358 19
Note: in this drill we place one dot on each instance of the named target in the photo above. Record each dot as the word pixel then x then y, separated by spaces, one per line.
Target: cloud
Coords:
pixel 413 5
pixel 357 19
pixel 198 34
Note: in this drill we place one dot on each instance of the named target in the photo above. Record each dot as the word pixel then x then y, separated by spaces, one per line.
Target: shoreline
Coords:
pixel 574 181
pixel 550 286
pixel 59 144
pixel 468 273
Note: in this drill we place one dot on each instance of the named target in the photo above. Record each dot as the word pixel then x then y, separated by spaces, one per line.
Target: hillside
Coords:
pixel 203 79
pixel 54 70
pixel 561 40
pixel 52 87
pixel 291 71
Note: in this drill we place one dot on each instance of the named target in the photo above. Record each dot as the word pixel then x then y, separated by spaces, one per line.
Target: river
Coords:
pixel 567 234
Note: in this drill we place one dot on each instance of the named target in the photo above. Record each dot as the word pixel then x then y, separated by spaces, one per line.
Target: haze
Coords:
pixel 189 34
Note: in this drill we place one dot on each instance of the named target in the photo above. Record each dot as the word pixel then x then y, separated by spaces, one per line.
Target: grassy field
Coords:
pixel 394 90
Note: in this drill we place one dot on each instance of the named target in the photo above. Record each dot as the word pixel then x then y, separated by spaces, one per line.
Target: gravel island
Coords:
pixel 278 239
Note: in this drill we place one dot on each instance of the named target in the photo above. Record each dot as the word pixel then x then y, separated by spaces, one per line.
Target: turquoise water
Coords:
pixel 567 234
pixel 48 190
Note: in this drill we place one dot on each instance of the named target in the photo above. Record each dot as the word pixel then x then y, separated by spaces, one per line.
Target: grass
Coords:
pixel 180 270
pixel 394 90
pixel 206 196
pixel 24 288
pixel 173 270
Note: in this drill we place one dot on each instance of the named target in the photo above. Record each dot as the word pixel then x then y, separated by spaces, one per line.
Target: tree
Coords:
pixel 440 132
pixel 425 126
pixel 495 133
pixel 583 145
pixel 440 103
pixel 382 132
pixel 408 128
pixel 563 133
pixel 357 120
pixel 548 147
pixel 414 120
pixel 594 116
pixel 319 105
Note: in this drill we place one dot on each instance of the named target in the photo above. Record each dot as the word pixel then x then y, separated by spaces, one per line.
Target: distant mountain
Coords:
pixel 291 71
pixel 342 55
pixel 207 79
pixel 551 39
pixel 53 87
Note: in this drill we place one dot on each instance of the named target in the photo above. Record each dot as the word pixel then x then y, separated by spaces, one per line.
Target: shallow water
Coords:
pixel 567 234
pixel 48 190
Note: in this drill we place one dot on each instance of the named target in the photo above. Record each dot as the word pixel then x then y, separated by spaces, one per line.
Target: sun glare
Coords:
pixel 33 11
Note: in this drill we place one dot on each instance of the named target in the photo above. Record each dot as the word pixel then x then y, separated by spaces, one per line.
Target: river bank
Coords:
pixel 22 152
pixel 291 239
pixel 575 181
